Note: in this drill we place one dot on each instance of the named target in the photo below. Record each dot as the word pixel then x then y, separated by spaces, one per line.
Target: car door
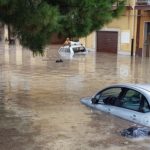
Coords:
pixel 130 106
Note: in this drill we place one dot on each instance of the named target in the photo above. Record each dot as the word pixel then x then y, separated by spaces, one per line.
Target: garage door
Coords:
pixel 107 41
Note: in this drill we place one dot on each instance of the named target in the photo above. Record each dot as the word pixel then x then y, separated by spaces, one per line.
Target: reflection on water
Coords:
pixel 40 100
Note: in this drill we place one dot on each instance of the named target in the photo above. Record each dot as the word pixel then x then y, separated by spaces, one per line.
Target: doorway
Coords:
pixel 107 41
pixel 146 47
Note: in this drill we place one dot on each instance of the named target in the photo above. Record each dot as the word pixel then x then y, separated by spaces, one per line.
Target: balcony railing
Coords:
pixel 143 2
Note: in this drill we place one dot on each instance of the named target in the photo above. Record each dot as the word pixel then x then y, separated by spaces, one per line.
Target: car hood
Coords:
pixel 86 99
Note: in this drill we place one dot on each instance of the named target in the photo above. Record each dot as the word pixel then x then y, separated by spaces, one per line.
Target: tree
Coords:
pixel 34 21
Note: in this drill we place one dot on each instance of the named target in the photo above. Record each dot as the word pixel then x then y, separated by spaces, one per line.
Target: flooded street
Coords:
pixel 40 105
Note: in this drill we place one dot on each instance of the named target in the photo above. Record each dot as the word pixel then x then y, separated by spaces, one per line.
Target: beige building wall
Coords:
pixel 89 41
pixel 131 2
pixel 126 25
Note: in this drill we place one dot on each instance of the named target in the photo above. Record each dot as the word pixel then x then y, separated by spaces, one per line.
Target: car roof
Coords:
pixel 68 46
pixel 144 86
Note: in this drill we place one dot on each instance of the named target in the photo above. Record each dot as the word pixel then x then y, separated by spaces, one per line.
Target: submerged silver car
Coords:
pixel 73 49
pixel 127 101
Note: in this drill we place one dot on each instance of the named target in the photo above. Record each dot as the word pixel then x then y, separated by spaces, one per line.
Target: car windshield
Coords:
pixel 79 49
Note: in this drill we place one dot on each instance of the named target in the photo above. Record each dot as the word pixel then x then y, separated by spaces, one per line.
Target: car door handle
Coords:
pixel 134 115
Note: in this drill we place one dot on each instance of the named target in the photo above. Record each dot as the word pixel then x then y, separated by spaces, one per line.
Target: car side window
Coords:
pixel 111 92
pixel 131 100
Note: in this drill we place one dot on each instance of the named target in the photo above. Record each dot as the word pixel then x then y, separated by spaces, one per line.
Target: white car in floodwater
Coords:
pixel 127 101
pixel 73 48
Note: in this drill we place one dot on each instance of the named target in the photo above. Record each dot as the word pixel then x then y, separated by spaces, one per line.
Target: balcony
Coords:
pixel 128 5
pixel 143 2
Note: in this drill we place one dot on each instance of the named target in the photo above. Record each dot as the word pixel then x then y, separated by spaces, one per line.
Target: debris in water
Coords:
pixel 59 60
pixel 135 132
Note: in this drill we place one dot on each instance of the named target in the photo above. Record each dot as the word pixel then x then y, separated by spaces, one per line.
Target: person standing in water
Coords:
pixel 67 42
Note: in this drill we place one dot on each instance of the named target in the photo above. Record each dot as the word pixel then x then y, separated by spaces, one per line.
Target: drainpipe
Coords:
pixel 86 41
pixel 9 33
pixel 138 32
pixel 132 47
pixel 133 33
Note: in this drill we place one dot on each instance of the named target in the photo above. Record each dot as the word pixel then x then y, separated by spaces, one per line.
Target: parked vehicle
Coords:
pixel 127 101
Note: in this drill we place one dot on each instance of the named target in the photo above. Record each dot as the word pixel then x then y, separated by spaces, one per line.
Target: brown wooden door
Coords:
pixel 56 39
pixel 107 41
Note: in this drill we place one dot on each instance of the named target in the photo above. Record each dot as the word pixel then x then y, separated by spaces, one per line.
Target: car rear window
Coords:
pixel 79 49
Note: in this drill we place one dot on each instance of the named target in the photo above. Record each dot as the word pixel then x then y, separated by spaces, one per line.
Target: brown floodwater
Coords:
pixel 40 105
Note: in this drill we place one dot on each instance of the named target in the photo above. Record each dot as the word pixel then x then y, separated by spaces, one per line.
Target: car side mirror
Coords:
pixel 94 100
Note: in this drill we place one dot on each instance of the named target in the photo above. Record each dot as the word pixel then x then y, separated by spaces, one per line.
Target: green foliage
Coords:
pixel 34 21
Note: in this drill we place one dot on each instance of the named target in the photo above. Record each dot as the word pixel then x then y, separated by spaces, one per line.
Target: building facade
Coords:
pixel 142 8
pixel 129 34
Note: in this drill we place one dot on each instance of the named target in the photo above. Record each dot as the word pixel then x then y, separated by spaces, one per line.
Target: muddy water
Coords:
pixel 40 105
